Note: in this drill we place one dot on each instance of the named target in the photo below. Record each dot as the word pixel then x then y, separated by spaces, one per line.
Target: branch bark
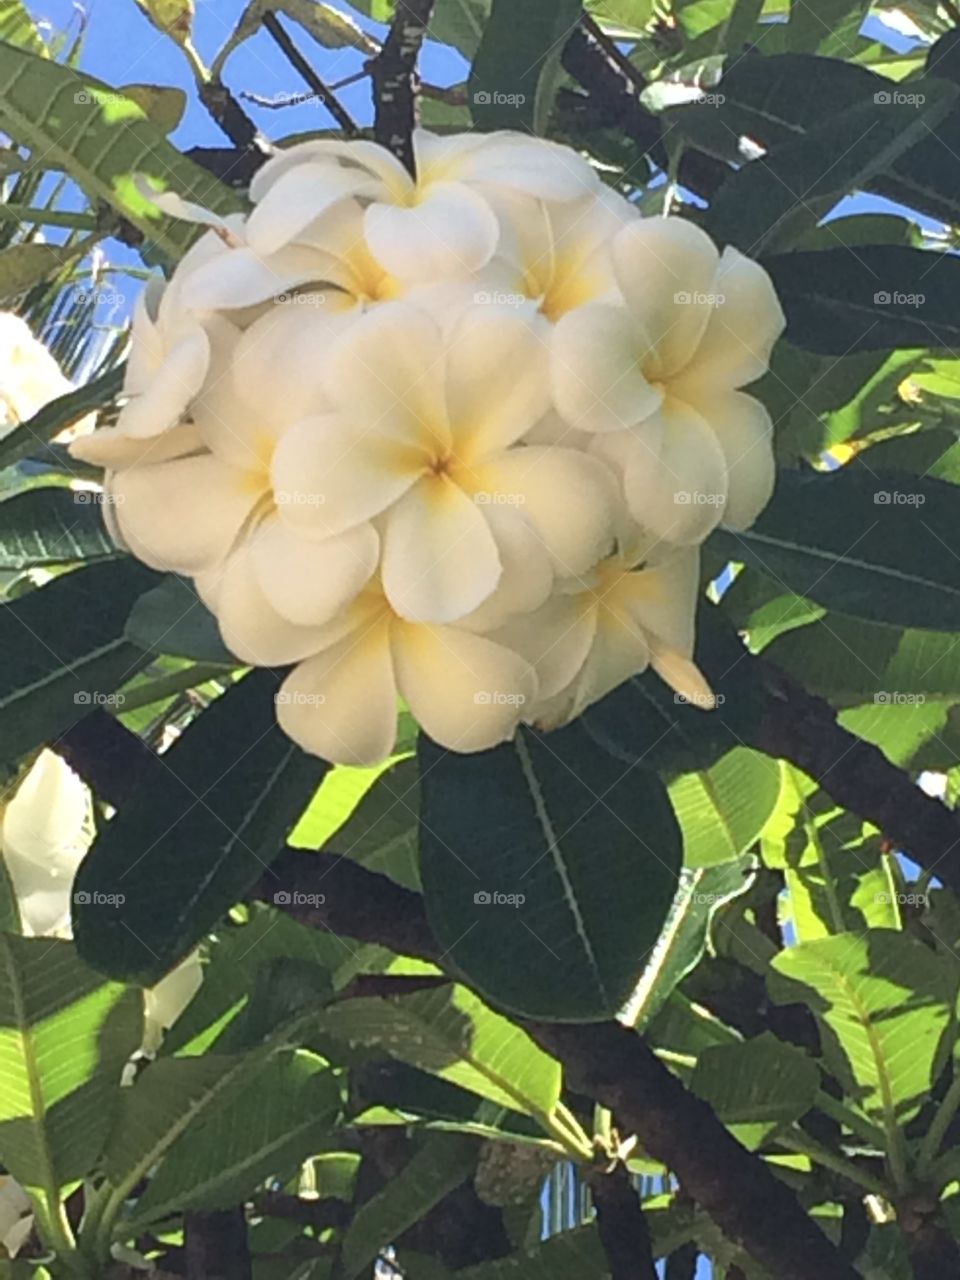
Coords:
pixel 622 1226
pixel 604 1060
pixel 394 72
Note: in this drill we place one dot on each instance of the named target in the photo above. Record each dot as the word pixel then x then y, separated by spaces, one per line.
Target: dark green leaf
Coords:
pixel 52 526
pixel 59 414
pixel 513 78
pixel 757 1085
pixel 194 836
pixel 64 651
pixel 873 544
pixel 548 870
pixel 172 619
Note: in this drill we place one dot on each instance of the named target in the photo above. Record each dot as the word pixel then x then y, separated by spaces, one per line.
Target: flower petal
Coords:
pixel 666 268
pixel 440 560
pixel 684 678
pixel 596 371
pixel 526 577
pixel 308 581
pixel 674 473
pixel 329 475
pixel 243 278
pixel 251 627
pixel 164 399
pixel 297 198
pixel 662 599
pixel 530 165
pixel 386 372
pixel 497 379
pixel 342 704
pixel 466 691
pixel 450 231
pixel 358 155
pixel 112 448
pixel 182 515
pixel 569 499
pixel 744 432
pixel 742 328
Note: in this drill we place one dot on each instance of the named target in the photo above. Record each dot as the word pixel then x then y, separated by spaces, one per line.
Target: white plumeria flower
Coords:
pixel 423 438
pixel 467 691
pixel 657 378
pixel 47 829
pixel 623 617
pixel 164 1003
pixel 443 223
pixel 29 377
pixel 16 1217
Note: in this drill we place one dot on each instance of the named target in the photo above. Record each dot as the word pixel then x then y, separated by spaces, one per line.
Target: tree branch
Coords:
pixel 622 1226
pixel 800 727
pixel 296 59
pixel 605 1060
pixel 394 72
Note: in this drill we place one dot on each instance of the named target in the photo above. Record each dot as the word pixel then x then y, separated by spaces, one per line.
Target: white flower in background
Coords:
pixel 657 378
pixel 29 375
pixel 46 831
pixel 16 1217
pixel 451 439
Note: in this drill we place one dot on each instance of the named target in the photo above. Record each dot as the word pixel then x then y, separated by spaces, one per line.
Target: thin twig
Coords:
pixel 296 59
pixel 622 1226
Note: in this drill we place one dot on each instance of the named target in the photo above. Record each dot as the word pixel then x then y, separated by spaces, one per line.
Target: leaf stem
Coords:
pixel 568 1131
pixel 804 1145
pixel 935 1135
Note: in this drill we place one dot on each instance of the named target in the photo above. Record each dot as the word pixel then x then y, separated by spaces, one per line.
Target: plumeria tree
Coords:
pixel 479 695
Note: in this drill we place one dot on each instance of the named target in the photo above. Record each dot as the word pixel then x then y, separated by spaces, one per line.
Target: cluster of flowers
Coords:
pixel 454 439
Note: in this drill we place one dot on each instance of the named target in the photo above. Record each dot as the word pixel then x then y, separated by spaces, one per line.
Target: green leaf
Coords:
pixel 103 141
pixel 327 25
pixel 172 619
pixel 885 1003
pixel 381 832
pixel 513 79
pixel 283 1113
pixel 194 836
pixel 872 544
pixel 756 1086
pixel 59 414
pixel 684 936
pixel 722 810
pixel 64 651
pixel 163 104
pixel 24 265
pixel 441 1164
pixel 548 870
pixel 772 200
pixel 876 298
pixel 18 28
pixel 449 1032
pixel 52 525
pixel 65 1034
